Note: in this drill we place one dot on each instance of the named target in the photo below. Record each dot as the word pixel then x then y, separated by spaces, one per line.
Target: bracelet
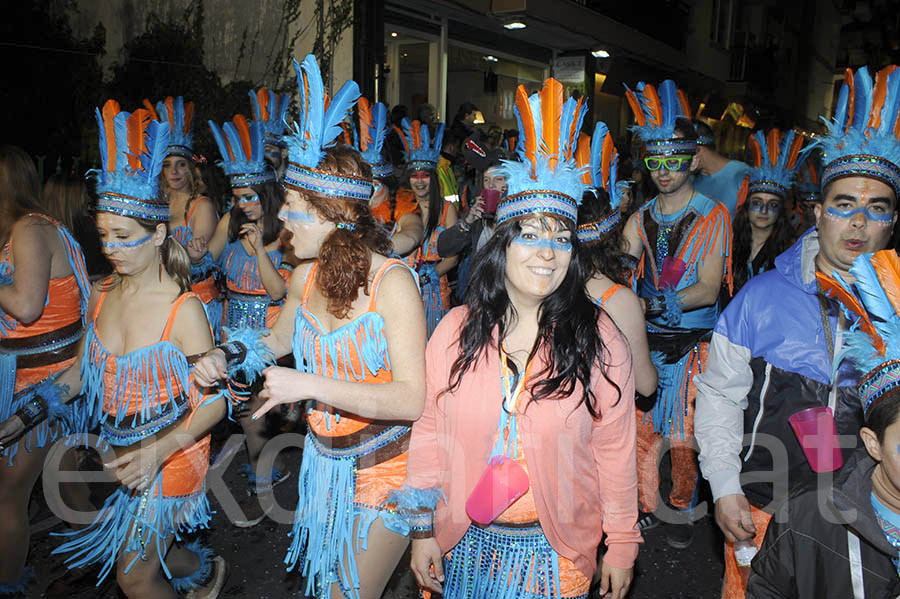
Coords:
pixel 33 412
pixel 421 524
pixel 463 225
pixel 235 352
pixel 655 306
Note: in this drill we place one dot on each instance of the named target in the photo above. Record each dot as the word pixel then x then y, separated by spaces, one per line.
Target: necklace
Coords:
pixel 670 218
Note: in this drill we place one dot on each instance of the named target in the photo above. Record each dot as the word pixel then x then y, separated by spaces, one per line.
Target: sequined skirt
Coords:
pixel 245 310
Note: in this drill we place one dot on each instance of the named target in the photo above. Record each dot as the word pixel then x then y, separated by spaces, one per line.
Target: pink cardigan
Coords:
pixel 583 471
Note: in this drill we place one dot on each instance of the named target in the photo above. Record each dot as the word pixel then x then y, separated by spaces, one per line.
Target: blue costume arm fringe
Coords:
pixel 259 356
pixel 672 314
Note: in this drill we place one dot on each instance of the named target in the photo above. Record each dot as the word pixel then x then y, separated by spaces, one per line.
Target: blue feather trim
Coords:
pixel 199 577
pixel 62 419
pixel 259 356
pixel 672 314
pixel 410 500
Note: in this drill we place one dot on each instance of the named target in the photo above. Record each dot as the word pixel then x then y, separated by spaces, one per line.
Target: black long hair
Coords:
pixel 780 239
pixel 605 256
pixel 435 201
pixel 567 323
pixel 271 197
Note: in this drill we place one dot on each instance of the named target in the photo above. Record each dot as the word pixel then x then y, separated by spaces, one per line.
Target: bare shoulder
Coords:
pixel 190 329
pixel 624 305
pixel 397 282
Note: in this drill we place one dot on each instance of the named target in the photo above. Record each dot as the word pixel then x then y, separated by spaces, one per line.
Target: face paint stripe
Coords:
pixel 110 245
pixel 543 244
pixel 296 216
pixel 880 218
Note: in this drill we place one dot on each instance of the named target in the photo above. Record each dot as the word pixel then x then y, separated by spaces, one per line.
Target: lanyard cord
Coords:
pixel 507 432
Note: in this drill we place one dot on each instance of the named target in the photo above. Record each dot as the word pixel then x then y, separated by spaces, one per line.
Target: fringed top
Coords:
pixel 148 384
pixel 242 271
pixel 59 310
pixel 356 351
pixel 427 252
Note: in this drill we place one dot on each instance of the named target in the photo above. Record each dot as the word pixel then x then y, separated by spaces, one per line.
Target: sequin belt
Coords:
pixel 248 310
pixel 370 446
pixel 44 349
pixel 123 435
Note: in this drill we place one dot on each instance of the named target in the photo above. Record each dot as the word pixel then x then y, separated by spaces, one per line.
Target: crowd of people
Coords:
pixel 491 339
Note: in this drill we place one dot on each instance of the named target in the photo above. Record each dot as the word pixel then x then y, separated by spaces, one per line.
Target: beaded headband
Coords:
pixel 132 150
pixel 706 140
pixel 863 165
pixel 303 178
pixel 666 147
pixel 597 230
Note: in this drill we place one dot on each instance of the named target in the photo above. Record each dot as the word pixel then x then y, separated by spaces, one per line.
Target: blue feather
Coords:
pixel 220 140
pixel 785 149
pixel 873 297
pixel 379 129
pixel 254 105
pixel 157 140
pixel 600 131
pixel 840 113
pixel 579 122
pixel 535 102
pixel 234 140
pixel 341 106
pixel 565 124
pixel 425 136
pixel 178 117
pixel 668 98
pixel 891 104
pixel 862 103
pixel 615 195
pixel 281 114
pixel 104 158
pixel 162 112
pixel 438 140
pixel 301 117
pixel 760 137
pixel 121 129
pixel 257 147
pixel 520 141
pixel 315 109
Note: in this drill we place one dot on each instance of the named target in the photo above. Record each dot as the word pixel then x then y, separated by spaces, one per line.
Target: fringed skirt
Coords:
pixel 510 562
pixel 341 488
pixel 135 523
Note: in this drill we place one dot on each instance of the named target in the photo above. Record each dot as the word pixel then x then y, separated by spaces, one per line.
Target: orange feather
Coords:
pixel 583 156
pixel 552 96
pixel 188 116
pixel 365 121
pixel 527 125
pixel 262 98
pixel 744 189
pixel 137 143
pixel 794 151
pixel 887 265
pixel 169 103
pixel 651 100
pixel 833 289
pixel 685 105
pixel 346 136
pixel 755 151
pixel 415 130
pixel 243 129
pixel 149 106
pixel 607 154
pixel 639 118
pixel 399 132
pixel 109 112
pixel 573 132
pixel 773 141
pixel 327 101
pixel 848 80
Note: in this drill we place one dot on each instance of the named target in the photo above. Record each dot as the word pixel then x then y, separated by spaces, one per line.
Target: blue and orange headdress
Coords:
pixel 132 150
pixel 863 136
pixel 180 117
pixel 242 147
pixel 598 154
pixel 368 138
pixel 270 109
pixel 775 158
pixel 873 305
pixel 655 115
pixel 420 151
pixel 318 128
pixel 547 180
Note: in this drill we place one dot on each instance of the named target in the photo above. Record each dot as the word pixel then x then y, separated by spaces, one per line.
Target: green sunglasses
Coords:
pixel 671 163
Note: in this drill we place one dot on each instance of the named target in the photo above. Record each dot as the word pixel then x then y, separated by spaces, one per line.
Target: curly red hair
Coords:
pixel 346 255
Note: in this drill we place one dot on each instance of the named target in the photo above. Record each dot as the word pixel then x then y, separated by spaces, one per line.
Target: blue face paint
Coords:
pixel 296 216
pixel 543 243
pixel 765 207
pixel 112 245
pixel 254 199
pixel 881 218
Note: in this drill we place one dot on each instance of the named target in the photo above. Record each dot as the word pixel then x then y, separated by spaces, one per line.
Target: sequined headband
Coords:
pixel 421 165
pixel 124 205
pixel 540 201
pixel 177 150
pixel 596 230
pixel 767 186
pixel 863 165
pixel 706 140
pixel 876 384
pixel 248 179
pixel 676 145
pixel 382 171
pixel 329 184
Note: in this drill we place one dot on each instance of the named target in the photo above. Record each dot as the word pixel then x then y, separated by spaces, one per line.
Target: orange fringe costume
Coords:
pixel 435 289
pixel 30 353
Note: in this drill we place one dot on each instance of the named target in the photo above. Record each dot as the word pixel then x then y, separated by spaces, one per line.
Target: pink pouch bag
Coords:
pixel 671 273
pixel 502 483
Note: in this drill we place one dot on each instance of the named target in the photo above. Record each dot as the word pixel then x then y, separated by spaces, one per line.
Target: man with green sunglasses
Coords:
pixel 681 240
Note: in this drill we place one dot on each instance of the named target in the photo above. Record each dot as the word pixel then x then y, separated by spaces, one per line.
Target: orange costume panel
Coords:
pixel 140 394
pixel 350 464
pixel 404 203
pixel 435 289
pixel 30 353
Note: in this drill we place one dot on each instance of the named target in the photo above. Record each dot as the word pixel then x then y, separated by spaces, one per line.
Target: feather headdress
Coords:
pixel 873 305
pixel 775 160
pixel 420 151
pixel 132 150
pixel 655 113
pixel 180 117
pixel 598 155
pixel 863 136
pixel 317 128
pixel 242 147
pixel 809 177
pixel 369 136
pixel 547 180
pixel 270 109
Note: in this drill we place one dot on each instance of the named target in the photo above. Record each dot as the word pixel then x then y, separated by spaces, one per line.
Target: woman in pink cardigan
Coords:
pixel 525 454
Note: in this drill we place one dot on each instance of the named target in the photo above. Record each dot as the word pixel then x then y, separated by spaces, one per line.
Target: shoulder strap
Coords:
pixel 376 280
pixel 190 212
pixel 610 292
pixel 308 285
pixel 100 299
pixel 175 306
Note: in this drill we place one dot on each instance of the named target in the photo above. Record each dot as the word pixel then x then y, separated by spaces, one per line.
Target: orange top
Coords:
pixel 63 308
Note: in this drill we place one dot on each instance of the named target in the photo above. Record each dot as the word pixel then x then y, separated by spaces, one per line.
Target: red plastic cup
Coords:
pixel 503 481
pixel 491 198
pixel 818 437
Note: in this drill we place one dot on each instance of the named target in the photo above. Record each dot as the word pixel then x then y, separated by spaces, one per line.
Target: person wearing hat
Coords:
pixel 773 349
pixel 849 530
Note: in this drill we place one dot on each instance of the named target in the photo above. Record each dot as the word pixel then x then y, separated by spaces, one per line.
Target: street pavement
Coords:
pixel 255 555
